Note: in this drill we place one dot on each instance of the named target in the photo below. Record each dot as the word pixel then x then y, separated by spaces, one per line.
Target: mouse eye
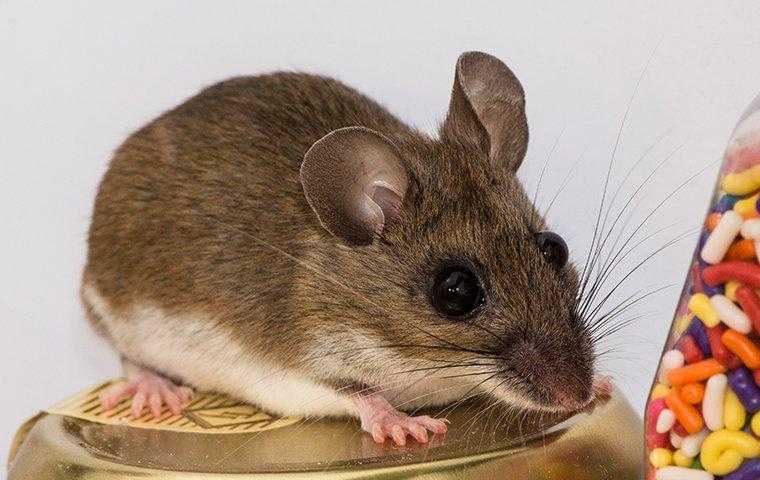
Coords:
pixel 457 292
pixel 553 248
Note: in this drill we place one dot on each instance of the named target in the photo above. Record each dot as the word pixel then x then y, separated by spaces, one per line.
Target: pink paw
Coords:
pixel 602 386
pixel 398 425
pixel 147 389
pixel 381 420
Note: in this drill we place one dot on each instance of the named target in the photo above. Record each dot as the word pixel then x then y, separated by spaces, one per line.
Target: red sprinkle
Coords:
pixel 750 303
pixel 696 279
pixel 654 439
pixel 651 473
pixel 719 351
pixel 680 431
pixel 744 272
pixel 691 351
pixel 756 375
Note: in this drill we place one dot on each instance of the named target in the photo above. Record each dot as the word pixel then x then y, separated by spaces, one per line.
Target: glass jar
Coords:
pixel 702 420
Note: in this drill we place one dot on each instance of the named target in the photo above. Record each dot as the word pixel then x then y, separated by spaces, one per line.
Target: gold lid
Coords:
pixel 219 438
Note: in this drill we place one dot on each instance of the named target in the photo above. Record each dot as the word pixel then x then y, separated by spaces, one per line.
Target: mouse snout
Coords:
pixel 567 394
pixel 553 380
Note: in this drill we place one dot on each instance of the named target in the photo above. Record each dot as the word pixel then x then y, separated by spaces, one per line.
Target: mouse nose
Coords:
pixel 560 381
pixel 570 397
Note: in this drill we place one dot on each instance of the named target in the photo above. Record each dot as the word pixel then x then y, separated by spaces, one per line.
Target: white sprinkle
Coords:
pixel 682 473
pixel 665 421
pixel 675 439
pixel 670 360
pixel 692 444
pixel 720 239
pixel 712 403
pixel 751 229
pixel 730 314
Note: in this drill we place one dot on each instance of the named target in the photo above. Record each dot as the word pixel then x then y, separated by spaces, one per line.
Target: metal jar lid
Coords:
pixel 218 438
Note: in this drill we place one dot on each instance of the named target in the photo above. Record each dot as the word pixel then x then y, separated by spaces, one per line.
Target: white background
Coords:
pixel 76 78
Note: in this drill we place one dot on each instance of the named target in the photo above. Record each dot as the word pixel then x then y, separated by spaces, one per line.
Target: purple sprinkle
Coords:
pixel 702 239
pixel 749 470
pixel 716 290
pixel 744 386
pixel 725 203
pixel 697 330
pixel 700 244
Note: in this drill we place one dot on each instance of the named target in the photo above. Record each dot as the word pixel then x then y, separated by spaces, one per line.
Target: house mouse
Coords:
pixel 286 240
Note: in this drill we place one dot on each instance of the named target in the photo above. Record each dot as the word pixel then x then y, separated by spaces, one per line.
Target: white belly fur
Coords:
pixel 207 357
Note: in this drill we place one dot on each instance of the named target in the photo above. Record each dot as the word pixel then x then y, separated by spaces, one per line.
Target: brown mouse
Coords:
pixel 286 240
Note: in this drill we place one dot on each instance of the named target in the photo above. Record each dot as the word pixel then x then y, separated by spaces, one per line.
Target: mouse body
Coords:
pixel 286 240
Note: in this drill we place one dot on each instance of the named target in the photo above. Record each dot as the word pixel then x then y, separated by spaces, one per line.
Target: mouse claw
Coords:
pixel 603 386
pixel 399 426
pixel 381 420
pixel 147 389
pixel 601 390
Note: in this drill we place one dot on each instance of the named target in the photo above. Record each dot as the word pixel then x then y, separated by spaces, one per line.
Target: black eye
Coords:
pixel 553 248
pixel 457 292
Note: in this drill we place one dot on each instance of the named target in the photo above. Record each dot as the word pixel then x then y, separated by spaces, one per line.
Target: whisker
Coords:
pixel 605 264
pixel 333 280
pixel 565 181
pixel 639 265
pixel 543 170
pixel 590 265
pixel 602 278
pixel 471 374
pixel 663 202
pixel 459 365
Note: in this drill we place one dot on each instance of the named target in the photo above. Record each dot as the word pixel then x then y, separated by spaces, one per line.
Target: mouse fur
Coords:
pixel 208 263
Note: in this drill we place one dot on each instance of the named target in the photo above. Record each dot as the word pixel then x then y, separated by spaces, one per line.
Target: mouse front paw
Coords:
pixel 381 420
pixel 147 389
pixel 603 386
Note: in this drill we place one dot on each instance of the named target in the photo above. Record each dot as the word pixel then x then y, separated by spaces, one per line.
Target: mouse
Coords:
pixel 284 239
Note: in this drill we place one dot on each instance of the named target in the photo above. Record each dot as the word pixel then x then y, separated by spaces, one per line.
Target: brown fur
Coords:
pixel 192 204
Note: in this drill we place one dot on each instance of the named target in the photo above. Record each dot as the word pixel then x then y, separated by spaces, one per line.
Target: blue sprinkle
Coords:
pixel 725 203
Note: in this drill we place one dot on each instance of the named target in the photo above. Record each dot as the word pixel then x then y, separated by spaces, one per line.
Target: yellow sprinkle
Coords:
pixel 660 457
pixel 742 183
pixel 699 303
pixel 723 451
pixel 660 390
pixel 747 207
pixel 682 323
pixel 734 414
pixel 681 460
pixel 731 287
pixel 755 424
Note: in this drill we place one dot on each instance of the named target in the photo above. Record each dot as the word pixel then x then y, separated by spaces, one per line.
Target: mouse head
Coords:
pixel 449 260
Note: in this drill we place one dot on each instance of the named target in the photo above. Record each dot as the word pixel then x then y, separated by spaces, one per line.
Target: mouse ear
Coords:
pixel 354 180
pixel 488 106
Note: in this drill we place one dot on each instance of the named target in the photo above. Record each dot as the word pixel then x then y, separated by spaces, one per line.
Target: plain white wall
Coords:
pixel 76 78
